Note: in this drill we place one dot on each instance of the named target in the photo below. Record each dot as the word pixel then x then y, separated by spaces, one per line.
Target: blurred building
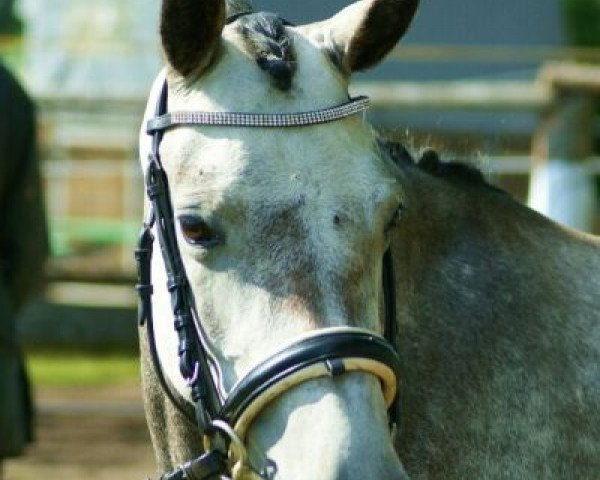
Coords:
pixel 111 46
pixel 107 48
pixel 455 23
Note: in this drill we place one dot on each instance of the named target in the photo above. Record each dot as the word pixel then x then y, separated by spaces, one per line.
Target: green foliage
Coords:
pixel 582 21
pixel 71 369
pixel 11 28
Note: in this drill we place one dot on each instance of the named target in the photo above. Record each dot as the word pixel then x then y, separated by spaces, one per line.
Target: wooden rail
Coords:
pixel 494 53
pixel 572 76
pixel 484 95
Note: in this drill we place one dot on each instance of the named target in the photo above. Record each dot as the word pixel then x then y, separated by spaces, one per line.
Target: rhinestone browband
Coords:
pixel 265 120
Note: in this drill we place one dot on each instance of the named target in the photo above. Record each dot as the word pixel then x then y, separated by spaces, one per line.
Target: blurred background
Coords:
pixel 512 86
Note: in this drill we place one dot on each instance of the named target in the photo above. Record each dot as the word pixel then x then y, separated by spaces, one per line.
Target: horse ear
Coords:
pixel 363 33
pixel 190 31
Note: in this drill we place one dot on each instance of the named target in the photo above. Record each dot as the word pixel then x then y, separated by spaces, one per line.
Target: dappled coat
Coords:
pixel 23 251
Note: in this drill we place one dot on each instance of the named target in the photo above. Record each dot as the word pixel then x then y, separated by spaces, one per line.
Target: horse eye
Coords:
pixel 396 217
pixel 197 232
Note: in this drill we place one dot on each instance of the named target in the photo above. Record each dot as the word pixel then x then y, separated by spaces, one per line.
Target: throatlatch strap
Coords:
pixel 390 328
pixel 143 258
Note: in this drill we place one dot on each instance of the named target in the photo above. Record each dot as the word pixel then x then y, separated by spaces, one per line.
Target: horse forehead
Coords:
pixel 236 81
pixel 325 170
pixel 336 161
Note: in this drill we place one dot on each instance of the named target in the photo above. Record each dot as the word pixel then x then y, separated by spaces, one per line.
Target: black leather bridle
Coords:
pixel 223 421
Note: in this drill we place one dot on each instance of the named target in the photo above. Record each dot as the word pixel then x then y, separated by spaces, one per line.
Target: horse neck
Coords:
pixel 461 243
pixel 495 304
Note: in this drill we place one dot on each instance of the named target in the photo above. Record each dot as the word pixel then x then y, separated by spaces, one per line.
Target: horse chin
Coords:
pixel 325 429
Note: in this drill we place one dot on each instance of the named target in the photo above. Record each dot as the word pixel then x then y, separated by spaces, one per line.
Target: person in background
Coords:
pixel 10 24
pixel 23 252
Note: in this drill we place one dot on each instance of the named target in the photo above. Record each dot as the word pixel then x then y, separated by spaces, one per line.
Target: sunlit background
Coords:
pixel 511 86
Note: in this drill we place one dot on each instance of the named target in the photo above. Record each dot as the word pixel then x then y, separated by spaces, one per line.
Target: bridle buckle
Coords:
pixel 229 444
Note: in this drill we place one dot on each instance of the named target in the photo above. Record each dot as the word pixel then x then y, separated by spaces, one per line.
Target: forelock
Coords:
pixel 268 42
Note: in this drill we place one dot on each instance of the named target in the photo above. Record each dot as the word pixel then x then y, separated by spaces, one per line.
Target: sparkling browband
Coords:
pixel 265 120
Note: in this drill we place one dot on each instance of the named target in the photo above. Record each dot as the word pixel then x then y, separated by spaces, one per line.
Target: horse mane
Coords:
pixel 430 162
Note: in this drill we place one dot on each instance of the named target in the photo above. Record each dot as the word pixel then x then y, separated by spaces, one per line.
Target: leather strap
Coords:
pixel 143 258
pixel 332 349
pixel 210 466
pixel 258 120
pixel 390 327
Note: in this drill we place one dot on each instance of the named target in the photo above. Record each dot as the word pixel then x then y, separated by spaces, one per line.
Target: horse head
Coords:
pixel 281 232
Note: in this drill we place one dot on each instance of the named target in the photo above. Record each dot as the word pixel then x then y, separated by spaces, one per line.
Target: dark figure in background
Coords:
pixel 10 24
pixel 23 252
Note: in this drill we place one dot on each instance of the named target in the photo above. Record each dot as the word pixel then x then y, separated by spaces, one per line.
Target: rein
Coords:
pixel 223 418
